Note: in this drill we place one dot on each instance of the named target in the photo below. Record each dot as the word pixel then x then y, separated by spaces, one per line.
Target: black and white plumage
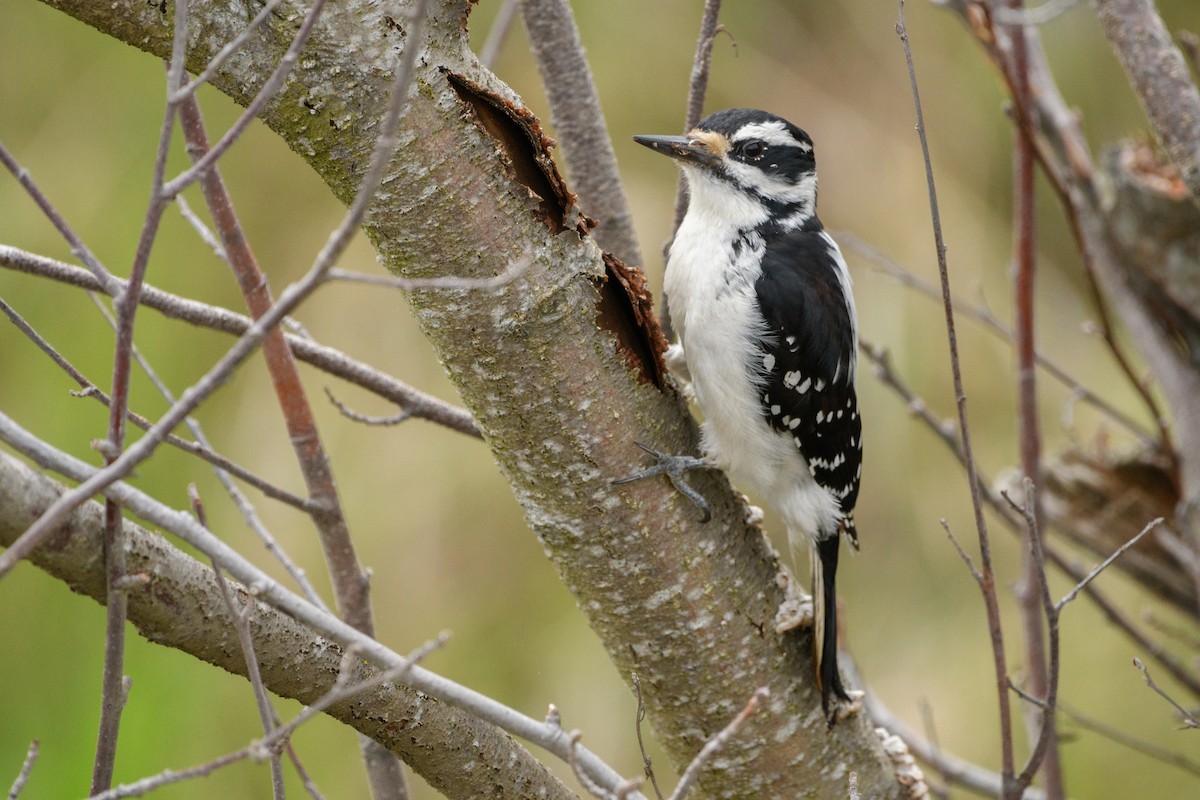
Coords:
pixel 759 296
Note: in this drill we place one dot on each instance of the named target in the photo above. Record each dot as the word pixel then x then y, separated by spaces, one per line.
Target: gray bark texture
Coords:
pixel 180 605
pixel 562 371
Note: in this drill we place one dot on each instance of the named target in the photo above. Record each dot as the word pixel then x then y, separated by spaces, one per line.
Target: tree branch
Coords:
pixel 580 124
pixel 1159 75
pixel 418 404
pixel 435 726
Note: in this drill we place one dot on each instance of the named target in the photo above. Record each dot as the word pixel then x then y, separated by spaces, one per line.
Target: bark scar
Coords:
pixel 525 151
pixel 626 309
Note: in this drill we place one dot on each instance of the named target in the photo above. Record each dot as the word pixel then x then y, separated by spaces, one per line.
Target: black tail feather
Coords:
pixel 824 567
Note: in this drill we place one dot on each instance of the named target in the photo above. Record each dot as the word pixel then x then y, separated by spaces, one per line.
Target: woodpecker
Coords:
pixel 760 299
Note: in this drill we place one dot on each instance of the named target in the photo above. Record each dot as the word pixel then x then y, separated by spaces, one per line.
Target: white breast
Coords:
pixel 710 292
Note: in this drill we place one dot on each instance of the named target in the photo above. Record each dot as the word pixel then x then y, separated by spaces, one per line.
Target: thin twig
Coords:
pixel 106 280
pixel 963 554
pixel 639 718
pixel 1189 719
pixel 714 745
pixel 26 768
pixel 498 33
pixel 241 625
pixel 114 683
pixel 1032 591
pixel 945 431
pixel 288 300
pixel 349 413
pixel 1081 585
pixel 1120 736
pixel 982 314
pixel 1044 752
pixel 189 88
pixel 956 771
pixel 697 89
pixel 268 90
pixel 580 125
pixel 335 362
pixel 514 270
pixel 988 583
pixel 589 786
pixel 207 236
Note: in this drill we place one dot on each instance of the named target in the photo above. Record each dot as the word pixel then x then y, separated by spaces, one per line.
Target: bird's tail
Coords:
pixel 824 558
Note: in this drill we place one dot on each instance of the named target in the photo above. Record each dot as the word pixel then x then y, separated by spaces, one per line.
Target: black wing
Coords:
pixel 809 358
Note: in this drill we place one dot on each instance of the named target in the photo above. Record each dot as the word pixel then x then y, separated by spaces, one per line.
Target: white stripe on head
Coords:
pixel 773 132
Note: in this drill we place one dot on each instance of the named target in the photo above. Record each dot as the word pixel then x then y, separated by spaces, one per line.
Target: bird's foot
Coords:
pixel 844 707
pixel 796 610
pixel 675 468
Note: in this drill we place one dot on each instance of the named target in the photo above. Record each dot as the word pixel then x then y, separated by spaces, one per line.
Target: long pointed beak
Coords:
pixel 683 148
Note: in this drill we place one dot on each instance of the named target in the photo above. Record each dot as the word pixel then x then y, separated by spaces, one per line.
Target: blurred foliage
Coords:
pixel 433 520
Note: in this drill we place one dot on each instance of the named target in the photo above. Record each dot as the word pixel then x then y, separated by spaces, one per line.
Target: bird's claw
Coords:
pixel 674 467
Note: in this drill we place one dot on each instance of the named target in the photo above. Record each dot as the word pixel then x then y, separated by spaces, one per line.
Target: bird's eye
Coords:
pixel 754 148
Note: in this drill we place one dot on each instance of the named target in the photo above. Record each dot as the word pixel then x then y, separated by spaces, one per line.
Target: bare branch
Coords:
pixel 955 770
pixel 266 713
pixel 697 89
pixel 1045 749
pixel 267 91
pixel 1069 596
pixel 26 767
pixel 516 269
pixel 980 313
pixel 963 554
pixel 105 279
pixel 1189 719
pixel 269 591
pixel 349 413
pixel 647 767
pixel 580 124
pixel 714 745
pixel 1120 737
pixel 422 405
pixel 498 33
pixel 988 582
pixel 1160 78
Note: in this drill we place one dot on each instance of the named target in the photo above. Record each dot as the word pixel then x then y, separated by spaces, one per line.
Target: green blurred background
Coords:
pixel 432 518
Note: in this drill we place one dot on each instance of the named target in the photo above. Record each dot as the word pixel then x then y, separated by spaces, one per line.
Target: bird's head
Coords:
pixel 744 154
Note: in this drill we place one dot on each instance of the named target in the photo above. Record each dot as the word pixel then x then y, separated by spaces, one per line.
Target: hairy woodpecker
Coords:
pixel 759 296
